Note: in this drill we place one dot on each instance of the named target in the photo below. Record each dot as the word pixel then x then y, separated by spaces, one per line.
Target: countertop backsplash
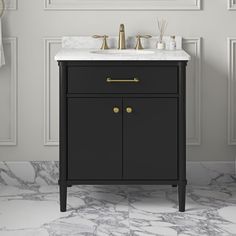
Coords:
pixel 83 42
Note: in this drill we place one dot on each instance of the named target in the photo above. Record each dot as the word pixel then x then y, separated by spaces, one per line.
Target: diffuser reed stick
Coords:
pixel 162 25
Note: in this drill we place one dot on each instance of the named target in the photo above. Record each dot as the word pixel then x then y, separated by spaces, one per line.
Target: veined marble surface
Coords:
pixel 29 173
pixel 87 48
pixel 29 204
pixel 39 173
pixel 118 211
pixel 89 55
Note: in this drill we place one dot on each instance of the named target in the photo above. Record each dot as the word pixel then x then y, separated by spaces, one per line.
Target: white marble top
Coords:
pixel 72 54
pixel 86 48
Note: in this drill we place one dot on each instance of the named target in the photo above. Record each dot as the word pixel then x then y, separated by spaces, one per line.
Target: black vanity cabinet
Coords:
pixel 122 122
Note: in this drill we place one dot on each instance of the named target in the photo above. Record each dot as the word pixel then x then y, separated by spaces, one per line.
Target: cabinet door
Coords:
pixel 150 138
pixel 94 138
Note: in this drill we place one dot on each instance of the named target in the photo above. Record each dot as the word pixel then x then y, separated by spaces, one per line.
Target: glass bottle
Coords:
pixel 172 43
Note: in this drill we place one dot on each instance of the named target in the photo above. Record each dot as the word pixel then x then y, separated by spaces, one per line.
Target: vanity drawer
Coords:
pixel 122 79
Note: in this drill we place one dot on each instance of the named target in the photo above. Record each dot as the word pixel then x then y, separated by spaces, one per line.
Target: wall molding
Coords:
pixel 11 4
pixel 231 90
pixel 196 140
pixel 231 5
pixel 126 5
pixel 48 141
pixel 193 141
pixel 13 93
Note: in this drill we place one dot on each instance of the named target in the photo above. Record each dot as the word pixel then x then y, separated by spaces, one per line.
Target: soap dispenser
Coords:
pixel 172 45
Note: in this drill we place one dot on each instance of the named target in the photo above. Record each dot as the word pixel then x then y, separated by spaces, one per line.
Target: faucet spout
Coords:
pixel 121 42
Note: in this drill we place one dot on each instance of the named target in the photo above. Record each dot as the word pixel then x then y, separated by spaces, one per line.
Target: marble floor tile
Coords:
pixel 117 210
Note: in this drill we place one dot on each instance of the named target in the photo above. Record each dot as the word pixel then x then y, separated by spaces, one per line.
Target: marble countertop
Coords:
pixel 75 54
pixel 86 48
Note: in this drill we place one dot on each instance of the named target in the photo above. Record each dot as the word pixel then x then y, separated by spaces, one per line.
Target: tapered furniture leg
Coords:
pixel 63 136
pixel 63 197
pixel 181 194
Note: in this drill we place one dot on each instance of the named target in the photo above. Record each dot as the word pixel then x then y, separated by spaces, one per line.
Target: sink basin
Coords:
pixel 128 52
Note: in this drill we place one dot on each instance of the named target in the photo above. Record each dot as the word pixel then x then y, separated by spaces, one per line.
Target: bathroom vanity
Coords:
pixel 122 118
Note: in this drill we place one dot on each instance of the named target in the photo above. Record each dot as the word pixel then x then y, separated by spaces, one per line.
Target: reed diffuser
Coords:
pixel 162 25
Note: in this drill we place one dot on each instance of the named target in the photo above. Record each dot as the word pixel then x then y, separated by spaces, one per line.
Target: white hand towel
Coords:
pixel 2 58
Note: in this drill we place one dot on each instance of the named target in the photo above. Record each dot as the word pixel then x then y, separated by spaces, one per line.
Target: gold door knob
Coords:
pixel 129 109
pixel 116 109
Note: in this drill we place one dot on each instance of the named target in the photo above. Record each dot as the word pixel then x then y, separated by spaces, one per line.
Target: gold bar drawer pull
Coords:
pixel 134 80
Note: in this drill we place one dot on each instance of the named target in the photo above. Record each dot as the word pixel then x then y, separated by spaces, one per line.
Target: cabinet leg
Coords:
pixel 63 197
pixel 182 196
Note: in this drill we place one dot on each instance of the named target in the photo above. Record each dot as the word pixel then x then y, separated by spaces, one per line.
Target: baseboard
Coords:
pixel 37 173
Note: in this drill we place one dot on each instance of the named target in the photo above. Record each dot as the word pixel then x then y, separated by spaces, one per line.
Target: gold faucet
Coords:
pixel 104 42
pixel 121 42
pixel 139 44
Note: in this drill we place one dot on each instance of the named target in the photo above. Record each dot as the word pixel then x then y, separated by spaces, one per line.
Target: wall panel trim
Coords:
pixel 47 44
pixel 125 5
pixel 11 4
pixel 12 141
pixel 231 90
pixel 231 5
pixel 196 140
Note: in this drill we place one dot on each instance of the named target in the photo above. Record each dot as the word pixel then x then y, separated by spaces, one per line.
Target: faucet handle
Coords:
pixel 104 42
pixel 139 44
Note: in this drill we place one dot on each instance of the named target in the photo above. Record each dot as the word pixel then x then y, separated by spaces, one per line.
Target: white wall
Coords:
pixel 29 81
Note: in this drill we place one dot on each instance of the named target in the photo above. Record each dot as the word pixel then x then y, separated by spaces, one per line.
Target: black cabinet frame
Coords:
pixel 181 181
